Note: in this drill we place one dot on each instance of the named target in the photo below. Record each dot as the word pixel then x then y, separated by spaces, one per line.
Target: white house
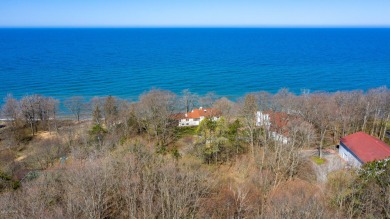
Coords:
pixel 360 148
pixel 263 119
pixel 275 123
pixel 194 117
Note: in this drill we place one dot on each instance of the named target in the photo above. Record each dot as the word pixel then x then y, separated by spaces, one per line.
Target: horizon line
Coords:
pixel 204 27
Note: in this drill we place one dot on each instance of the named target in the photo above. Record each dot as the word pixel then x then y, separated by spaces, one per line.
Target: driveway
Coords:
pixel 333 163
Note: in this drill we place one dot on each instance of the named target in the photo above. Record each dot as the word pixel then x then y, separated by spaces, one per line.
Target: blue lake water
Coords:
pixel 230 62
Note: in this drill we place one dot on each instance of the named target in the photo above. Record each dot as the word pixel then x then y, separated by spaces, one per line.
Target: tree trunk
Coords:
pixel 32 128
pixel 365 117
pixel 252 143
pixel 385 127
pixel 321 143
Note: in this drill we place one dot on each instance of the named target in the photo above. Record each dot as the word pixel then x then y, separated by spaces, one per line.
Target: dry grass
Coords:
pixel 44 135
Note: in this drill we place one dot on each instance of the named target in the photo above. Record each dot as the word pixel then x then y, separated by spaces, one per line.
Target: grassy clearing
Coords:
pixel 318 160
pixel 185 131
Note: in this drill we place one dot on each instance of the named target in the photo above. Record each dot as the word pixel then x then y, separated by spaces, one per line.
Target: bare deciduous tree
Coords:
pixel 318 110
pixel 248 112
pixel 111 111
pixel 75 105
pixel 154 113
pixel 53 107
pixel 189 99
pixel 208 99
pixel 29 108
pixel 11 109
pixel 226 107
pixel 264 100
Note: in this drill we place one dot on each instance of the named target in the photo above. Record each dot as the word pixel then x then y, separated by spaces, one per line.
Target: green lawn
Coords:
pixel 318 160
pixel 185 131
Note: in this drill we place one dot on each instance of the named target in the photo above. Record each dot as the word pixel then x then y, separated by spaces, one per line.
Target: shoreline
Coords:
pixel 61 118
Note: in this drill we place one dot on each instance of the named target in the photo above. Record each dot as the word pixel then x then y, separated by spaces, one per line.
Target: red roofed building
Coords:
pixel 194 117
pixel 360 148
pixel 276 124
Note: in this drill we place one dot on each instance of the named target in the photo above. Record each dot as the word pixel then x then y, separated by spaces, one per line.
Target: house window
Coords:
pixel 187 123
pixel 197 119
pixel 187 120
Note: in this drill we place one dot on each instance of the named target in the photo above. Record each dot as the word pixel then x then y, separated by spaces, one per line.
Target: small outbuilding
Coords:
pixel 360 148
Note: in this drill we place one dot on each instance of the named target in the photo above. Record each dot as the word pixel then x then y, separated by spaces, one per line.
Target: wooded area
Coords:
pixel 121 159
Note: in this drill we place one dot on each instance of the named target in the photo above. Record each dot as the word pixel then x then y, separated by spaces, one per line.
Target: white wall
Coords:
pixel 348 156
pixel 190 122
pixel 279 137
pixel 263 119
pixel 193 122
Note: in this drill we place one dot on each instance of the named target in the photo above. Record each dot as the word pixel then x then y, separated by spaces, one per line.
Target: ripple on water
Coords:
pixel 127 62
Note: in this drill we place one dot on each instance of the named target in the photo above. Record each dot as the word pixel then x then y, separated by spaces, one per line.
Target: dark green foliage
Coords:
pixel 206 126
pixel 233 134
pixel 15 184
pixel 97 133
pixel 218 140
pixel 97 129
pixel 233 129
pixel 377 170
pixel 6 182
pixel 122 140
pixel 4 176
pixel 161 149
pixel 133 127
pixel 181 132
pixel 370 196
pixel 176 154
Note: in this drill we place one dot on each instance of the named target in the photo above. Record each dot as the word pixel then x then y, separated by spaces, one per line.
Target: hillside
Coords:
pixel 131 160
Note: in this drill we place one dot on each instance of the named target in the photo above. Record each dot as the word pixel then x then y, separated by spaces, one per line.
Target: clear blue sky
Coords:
pixel 190 13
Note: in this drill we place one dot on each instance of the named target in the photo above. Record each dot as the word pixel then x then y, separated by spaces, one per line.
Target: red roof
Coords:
pixel 366 147
pixel 197 113
pixel 279 120
pixel 177 116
